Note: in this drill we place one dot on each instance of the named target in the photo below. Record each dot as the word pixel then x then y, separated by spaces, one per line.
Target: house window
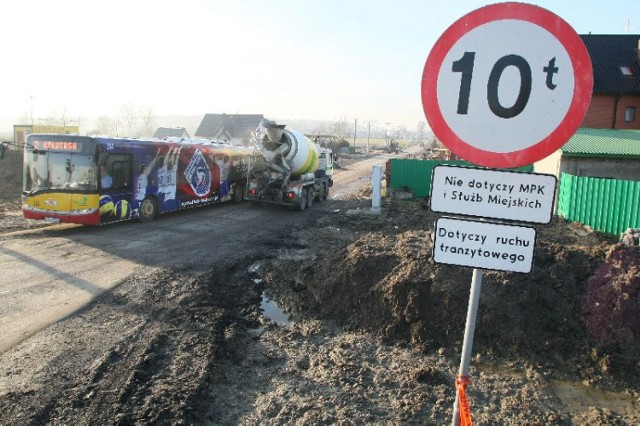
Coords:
pixel 626 71
pixel 630 114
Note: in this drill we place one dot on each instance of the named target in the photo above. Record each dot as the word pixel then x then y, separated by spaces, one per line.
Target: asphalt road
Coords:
pixel 47 274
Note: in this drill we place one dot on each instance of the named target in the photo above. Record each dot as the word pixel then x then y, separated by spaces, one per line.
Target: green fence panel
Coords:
pixel 414 175
pixel 607 205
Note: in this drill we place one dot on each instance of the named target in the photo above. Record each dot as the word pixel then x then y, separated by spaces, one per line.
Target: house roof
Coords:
pixel 610 53
pixel 236 125
pixel 167 132
pixel 603 143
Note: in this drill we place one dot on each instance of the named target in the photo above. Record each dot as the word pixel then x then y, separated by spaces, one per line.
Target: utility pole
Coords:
pixel 355 131
pixel 368 134
pixel 386 134
pixel 31 112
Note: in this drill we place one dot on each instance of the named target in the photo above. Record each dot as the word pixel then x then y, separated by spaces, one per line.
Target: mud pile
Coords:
pixel 11 218
pixel 610 311
pixel 385 281
pixel 11 175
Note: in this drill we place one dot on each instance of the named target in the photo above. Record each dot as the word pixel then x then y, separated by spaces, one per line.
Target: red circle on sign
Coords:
pixel 583 84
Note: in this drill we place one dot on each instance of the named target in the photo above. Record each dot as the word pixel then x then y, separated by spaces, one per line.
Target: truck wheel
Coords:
pixel 325 193
pixel 320 195
pixel 148 209
pixel 310 197
pixel 302 202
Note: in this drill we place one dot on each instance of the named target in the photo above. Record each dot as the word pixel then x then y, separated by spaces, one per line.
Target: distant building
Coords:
pixel 21 131
pixel 615 103
pixel 600 153
pixel 233 128
pixel 171 132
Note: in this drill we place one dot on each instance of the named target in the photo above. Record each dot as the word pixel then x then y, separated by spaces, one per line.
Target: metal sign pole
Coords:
pixel 376 188
pixel 470 327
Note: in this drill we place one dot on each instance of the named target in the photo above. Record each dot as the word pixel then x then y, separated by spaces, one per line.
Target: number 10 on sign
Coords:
pixel 507 86
pixel 465 66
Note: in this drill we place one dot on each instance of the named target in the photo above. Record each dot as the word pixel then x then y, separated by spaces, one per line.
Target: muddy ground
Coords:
pixel 374 334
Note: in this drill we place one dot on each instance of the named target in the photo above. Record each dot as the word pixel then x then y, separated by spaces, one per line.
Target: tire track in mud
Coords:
pixel 149 352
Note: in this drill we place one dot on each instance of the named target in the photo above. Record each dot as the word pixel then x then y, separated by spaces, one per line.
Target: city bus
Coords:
pixel 98 180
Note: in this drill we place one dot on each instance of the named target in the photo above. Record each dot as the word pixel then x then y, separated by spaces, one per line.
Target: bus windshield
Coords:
pixel 46 170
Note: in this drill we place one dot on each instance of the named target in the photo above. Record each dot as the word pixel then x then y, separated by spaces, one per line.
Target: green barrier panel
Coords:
pixel 414 175
pixel 606 205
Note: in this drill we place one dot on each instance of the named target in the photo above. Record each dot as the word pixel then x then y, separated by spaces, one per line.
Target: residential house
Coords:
pixel 233 128
pixel 615 103
pixel 601 153
pixel 607 144
pixel 171 132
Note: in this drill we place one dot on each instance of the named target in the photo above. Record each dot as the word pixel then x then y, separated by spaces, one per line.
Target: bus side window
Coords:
pixel 119 180
pixel 121 166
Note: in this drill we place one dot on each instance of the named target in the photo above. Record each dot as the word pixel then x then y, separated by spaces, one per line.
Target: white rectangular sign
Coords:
pixel 523 197
pixel 484 245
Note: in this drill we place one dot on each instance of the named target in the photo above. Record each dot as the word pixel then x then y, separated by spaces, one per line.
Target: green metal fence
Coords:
pixel 415 175
pixel 607 205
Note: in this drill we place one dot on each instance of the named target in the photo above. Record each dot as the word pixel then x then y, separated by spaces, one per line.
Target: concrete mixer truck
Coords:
pixel 287 168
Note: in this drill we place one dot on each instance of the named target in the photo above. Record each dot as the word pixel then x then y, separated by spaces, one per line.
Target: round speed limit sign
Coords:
pixel 507 85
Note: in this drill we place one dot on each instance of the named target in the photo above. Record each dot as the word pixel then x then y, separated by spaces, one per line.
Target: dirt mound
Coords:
pixel 11 175
pixel 385 281
pixel 10 190
pixel 610 311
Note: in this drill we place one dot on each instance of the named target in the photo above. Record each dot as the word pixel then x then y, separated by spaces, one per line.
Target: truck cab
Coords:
pixel 325 164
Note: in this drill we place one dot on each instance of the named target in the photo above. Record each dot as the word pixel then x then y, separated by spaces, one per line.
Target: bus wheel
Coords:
pixel 302 202
pixel 148 209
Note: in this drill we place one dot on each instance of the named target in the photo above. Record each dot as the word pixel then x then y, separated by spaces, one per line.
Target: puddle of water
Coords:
pixel 271 310
pixel 576 395
pixel 256 266
pixel 500 370
pixel 296 254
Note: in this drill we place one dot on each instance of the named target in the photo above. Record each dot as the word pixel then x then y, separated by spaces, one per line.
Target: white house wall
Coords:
pixel 602 168
pixel 549 165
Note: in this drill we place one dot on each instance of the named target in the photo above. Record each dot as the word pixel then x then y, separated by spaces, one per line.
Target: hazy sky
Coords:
pixel 320 59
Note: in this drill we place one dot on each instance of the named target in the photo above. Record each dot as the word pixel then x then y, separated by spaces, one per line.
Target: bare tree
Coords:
pixel 433 142
pixel 421 134
pixel 340 128
pixel 60 117
pixel 136 121
pixel 321 129
pixel 128 120
pixel 148 124
pixel 83 123
pixel 401 132
pixel 105 126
